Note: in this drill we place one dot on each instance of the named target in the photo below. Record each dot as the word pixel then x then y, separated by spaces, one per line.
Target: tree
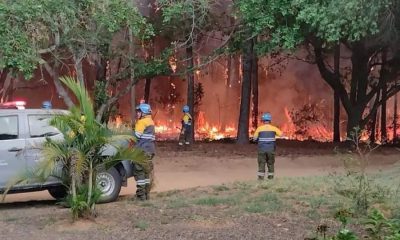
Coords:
pixel 364 28
pixel 52 34
pixel 247 59
pixel 336 101
pixel 186 23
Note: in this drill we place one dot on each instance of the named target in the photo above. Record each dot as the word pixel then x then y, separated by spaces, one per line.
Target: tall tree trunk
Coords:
pixel 147 90
pixel 354 118
pixel 243 127
pixel 132 75
pixel 374 119
pixel 383 80
pixel 190 87
pixel 395 117
pixel 254 83
pixel 336 102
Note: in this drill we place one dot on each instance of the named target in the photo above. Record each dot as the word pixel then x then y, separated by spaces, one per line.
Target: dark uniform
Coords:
pixel 145 135
pixel 184 138
pixel 265 135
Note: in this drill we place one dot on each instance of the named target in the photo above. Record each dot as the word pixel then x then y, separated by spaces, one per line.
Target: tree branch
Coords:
pixel 330 78
pixel 57 83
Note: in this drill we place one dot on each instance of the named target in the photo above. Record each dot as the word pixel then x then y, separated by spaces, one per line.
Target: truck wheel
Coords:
pixel 58 192
pixel 109 183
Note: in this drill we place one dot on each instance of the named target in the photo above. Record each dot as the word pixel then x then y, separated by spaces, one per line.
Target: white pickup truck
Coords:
pixel 22 132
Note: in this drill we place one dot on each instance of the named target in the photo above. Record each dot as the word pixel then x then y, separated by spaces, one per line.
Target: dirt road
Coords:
pixel 212 164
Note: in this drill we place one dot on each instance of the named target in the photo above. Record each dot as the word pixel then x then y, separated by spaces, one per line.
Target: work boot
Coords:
pixel 260 178
pixel 180 144
pixel 270 176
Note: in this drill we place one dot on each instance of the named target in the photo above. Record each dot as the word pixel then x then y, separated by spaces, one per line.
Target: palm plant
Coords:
pixel 80 153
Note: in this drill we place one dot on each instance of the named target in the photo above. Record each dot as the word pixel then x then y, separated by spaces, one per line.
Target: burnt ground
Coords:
pixel 206 192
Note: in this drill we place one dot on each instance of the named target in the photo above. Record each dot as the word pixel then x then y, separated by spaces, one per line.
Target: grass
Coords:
pixel 214 201
pixel 177 202
pixel 314 197
pixel 142 225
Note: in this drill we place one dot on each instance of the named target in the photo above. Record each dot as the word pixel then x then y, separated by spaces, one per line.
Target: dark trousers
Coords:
pixel 144 180
pixel 266 158
pixel 184 137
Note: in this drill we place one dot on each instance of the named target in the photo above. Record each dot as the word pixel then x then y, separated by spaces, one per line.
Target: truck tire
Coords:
pixel 58 192
pixel 109 183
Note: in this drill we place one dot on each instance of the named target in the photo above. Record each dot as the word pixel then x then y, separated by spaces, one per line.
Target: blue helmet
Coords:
pixel 46 105
pixel 266 117
pixel 144 108
pixel 185 109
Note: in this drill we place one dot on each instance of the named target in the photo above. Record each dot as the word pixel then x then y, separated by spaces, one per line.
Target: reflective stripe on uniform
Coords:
pixel 261 174
pixel 266 139
pixel 141 182
pixel 147 181
pixel 270 174
pixel 138 134
pixel 148 136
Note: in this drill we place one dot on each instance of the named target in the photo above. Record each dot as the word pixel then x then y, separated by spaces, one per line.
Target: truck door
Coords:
pixel 12 162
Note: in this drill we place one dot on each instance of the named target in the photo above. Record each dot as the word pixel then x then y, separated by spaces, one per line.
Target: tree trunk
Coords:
pixel 190 88
pixel 53 72
pixel 243 128
pixel 254 83
pixel 132 75
pixel 395 117
pixel 383 80
pixel 336 102
pixel 6 86
pixel 354 118
pixel 147 90
pixel 133 105
pixel 78 58
pixel 90 186
pixel 372 136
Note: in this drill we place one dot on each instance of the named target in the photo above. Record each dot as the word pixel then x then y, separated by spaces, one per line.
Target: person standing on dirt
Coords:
pixel 184 137
pixel 145 136
pixel 266 135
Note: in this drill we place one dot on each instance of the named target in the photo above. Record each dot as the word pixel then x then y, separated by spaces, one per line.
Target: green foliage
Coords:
pixel 285 24
pixel 28 27
pixel 79 206
pixel 80 153
pixel 274 20
pixel 379 227
pixel 334 20
pixel 185 18
pixel 155 66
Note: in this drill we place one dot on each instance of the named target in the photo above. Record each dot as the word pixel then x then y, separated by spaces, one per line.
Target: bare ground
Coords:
pixel 169 216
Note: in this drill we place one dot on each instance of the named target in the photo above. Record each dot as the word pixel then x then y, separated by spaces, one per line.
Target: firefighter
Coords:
pixel 145 136
pixel 184 137
pixel 266 135
pixel 46 105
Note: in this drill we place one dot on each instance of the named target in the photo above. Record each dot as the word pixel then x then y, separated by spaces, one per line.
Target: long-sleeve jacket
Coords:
pixel 266 136
pixel 186 120
pixel 145 134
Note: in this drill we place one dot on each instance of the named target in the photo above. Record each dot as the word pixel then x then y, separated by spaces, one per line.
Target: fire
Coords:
pixel 165 131
pixel 313 131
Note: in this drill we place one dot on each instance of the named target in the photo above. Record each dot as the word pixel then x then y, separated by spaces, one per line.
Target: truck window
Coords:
pixel 9 127
pixel 39 126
